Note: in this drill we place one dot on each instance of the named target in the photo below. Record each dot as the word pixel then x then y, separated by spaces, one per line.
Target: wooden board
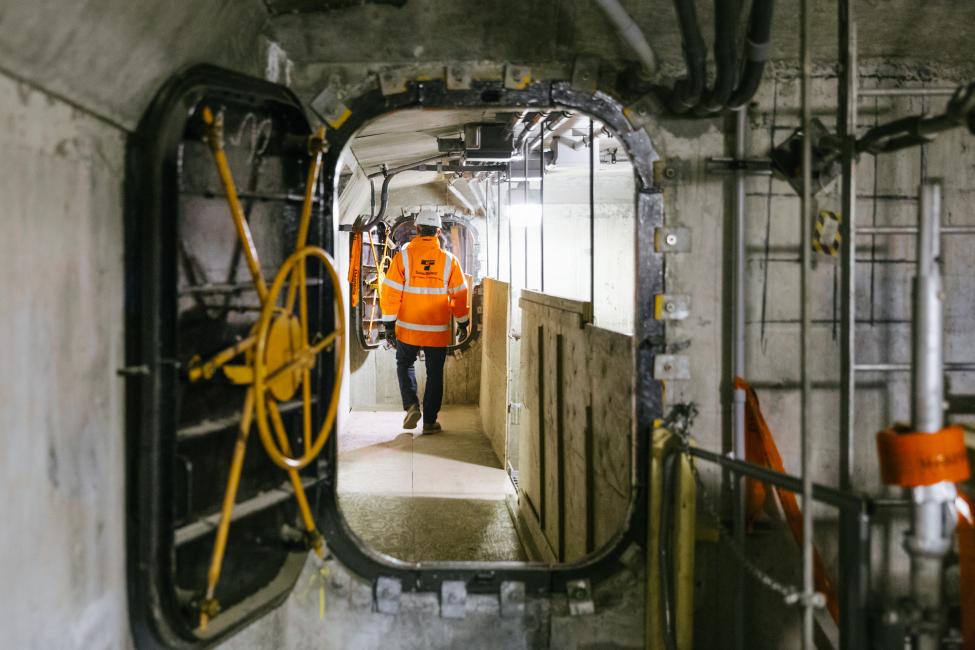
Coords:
pixel 494 365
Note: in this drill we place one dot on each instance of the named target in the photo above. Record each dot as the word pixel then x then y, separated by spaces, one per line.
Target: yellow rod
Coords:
pixel 215 139
pixel 207 369
pixel 304 358
pixel 316 145
pixel 299 489
pixel 229 498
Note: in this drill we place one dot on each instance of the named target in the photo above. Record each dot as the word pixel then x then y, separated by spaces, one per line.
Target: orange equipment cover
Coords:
pixel 760 449
pixel 915 459
pixel 355 268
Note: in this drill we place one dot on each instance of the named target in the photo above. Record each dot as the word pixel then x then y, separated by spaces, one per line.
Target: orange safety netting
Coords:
pixel 760 449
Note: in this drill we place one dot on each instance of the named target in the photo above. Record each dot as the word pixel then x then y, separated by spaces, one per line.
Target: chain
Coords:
pixel 678 422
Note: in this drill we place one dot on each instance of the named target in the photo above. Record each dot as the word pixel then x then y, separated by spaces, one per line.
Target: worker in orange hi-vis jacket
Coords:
pixel 423 289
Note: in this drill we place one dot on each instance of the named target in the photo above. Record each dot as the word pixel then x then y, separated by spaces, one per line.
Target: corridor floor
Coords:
pixel 419 498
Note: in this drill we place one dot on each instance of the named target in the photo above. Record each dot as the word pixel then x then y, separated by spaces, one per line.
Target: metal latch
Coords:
pixel 671 366
pixel 388 591
pixel 453 599
pixel 672 240
pixel 671 306
pixel 580 597
pixel 512 598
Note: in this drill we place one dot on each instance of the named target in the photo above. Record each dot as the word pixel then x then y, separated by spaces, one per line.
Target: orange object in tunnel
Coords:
pixel 423 288
pixel 915 459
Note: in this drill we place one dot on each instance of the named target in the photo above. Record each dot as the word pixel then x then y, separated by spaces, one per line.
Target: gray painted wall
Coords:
pixel 61 405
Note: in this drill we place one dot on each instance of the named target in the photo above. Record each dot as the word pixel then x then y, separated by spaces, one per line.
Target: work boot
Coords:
pixel 412 417
pixel 432 427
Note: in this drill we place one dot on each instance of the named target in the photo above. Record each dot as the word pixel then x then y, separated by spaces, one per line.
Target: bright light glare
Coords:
pixel 526 216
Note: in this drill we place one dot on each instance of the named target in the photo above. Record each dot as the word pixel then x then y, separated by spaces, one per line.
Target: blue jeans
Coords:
pixel 433 396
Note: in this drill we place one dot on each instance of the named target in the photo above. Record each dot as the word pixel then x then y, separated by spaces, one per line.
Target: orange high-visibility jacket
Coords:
pixel 423 287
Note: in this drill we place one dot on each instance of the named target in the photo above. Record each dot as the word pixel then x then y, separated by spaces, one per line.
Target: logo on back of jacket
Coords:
pixel 426 272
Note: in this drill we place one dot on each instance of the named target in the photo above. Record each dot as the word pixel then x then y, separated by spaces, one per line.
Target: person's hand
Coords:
pixel 390 326
pixel 462 331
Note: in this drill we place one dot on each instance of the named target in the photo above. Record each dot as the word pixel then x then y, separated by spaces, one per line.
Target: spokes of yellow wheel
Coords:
pixel 296 484
pixel 209 607
pixel 303 360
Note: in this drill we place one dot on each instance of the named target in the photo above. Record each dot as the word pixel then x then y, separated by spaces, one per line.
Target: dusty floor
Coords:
pixel 426 497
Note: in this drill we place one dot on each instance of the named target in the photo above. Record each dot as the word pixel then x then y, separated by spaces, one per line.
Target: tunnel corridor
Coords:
pixel 422 498
pixel 704 310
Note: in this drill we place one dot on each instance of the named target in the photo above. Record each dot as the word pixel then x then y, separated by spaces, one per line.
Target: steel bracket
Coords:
pixel 672 240
pixel 512 597
pixel 330 107
pixel 580 597
pixel 393 82
pixel 517 77
pixel 640 112
pixel 585 73
pixel 453 599
pixel 671 366
pixel 458 77
pixel 388 592
pixel 671 306
pixel 669 172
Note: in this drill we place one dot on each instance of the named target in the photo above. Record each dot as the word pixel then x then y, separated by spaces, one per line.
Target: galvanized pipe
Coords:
pixel 905 367
pixel 930 537
pixel 847 129
pixel 738 367
pixel 912 230
pixel 805 223
pixel 906 92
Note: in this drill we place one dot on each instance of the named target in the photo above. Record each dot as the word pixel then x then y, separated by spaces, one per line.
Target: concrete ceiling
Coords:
pixel 937 32
pixel 111 56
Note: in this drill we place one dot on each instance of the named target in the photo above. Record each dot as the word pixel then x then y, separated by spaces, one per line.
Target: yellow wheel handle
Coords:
pixel 303 360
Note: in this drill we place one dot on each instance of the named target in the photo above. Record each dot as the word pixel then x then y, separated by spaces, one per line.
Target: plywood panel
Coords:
pixel 612 392
pixel 577 390
pixel 494 365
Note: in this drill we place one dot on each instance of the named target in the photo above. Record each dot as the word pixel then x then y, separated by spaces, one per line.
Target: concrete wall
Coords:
pixel 494 365
pixel 61 404
pixel 888 187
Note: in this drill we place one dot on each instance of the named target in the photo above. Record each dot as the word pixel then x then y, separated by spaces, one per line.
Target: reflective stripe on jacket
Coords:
pixel 423 288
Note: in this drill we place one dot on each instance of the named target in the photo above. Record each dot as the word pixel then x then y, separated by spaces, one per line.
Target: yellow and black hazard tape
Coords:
pixel 828 239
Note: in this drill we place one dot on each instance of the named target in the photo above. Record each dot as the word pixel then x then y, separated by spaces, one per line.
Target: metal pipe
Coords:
pixel 847 129
pixel 912 230
pixel 805 408
pixel 592 220
pixel 541 204
pixel 822 493
pixel 738 367
pixel 932 531
pixel 630 32
pixel 497 240
pixel 525 181
pixel 904 367
pixel 906 92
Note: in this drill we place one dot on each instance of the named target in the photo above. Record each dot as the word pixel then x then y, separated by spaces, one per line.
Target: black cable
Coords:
pixel 725 59
pixel 687 91
pixel 756 53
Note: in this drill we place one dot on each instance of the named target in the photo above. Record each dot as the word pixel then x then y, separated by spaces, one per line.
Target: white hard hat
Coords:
pixel 428 217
